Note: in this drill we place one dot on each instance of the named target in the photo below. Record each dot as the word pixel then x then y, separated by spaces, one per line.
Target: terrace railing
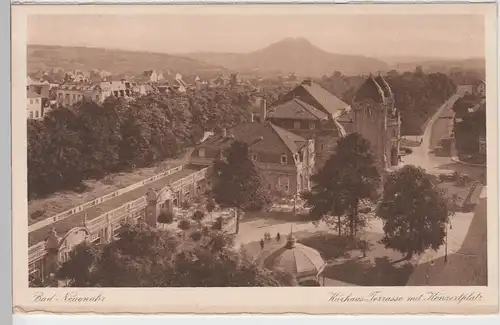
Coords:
pixel 77 209
pixel 119 214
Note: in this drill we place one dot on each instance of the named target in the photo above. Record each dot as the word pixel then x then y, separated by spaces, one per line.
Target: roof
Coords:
pixel 329 102
pixel 298 259
pixel 273 137
pixel 76 87
pixel 33 94
pixel 384 85
pixel 371 90
pixel 296 109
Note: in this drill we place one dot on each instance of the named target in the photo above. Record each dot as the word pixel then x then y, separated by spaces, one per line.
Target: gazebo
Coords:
pixel 303 262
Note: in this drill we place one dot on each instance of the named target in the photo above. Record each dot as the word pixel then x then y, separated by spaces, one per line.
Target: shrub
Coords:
pixel 196 236
pixel 166 217
pixel 198 216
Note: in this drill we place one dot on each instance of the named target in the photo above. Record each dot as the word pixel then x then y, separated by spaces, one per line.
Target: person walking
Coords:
pixel 278 237
pixel 262 244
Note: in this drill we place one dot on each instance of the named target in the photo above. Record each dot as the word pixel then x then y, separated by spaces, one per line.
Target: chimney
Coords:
pixel 252 118
pixel 224 132
pixel 263 110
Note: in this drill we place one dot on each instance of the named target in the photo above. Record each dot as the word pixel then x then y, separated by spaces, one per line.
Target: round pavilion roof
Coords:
pixel 300 260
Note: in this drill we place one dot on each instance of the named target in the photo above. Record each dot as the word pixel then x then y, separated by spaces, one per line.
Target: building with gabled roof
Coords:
pixel 311 112
pixel 285 159
pixel 313 94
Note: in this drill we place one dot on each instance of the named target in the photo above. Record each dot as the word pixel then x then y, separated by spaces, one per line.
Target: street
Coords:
pixel 464 249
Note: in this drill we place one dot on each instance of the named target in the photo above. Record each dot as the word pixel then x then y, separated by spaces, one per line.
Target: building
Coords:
pixel 176 84
pixel 311 112
pixel 151 76
pixel 34 105
pixel 303 262
pixel 70 94
pixel 116 88
pixel 377 120
pixel 285 159
pixel 479 89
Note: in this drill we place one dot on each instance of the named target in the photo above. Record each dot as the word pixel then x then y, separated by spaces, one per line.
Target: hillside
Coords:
pixel 44 57
pixel 441 65
pixel 296 55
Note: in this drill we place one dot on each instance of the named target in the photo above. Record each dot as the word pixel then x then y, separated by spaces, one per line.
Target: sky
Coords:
pixel 440 36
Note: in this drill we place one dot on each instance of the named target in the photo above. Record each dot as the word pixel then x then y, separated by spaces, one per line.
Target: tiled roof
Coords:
pixel 327 100
pixel 370 89
pixel 296 109
pixel 273 138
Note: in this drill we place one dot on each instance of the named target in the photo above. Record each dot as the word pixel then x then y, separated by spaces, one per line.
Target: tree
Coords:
pixel 414 212
pixel 348 177
pixel 78 269
pixel 184 225
pixel 148 257
pixel 166 217
pixel 198 216
pixel 239 184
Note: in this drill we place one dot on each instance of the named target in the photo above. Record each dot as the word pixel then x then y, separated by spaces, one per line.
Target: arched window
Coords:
pixel 284 184
pixel 284 159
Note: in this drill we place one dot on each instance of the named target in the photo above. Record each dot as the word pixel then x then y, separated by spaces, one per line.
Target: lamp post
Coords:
pixel 446 241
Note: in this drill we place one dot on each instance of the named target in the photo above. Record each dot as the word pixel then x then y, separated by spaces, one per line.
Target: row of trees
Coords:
pixel 415 213
pixel 147 257
pixel 90 140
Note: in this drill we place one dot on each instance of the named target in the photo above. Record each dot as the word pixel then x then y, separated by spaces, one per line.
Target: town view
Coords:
pixel 289 155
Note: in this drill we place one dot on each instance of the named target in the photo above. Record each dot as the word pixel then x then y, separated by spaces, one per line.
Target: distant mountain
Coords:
pixel 45 57
pixel 293 55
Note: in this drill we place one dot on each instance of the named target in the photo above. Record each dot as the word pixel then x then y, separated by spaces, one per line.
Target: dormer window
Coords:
pixel 255 157
pixel 201 152
pixel 284 159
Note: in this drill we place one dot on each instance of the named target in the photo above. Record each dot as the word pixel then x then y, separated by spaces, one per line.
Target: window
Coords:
pixel 284 159
pixel 312 125
pixel 296 125
pixel 37 101
pixel 201 152
pixel 284 184
pixel 74 96
pixel 36 114
pixel 31 101
pixel 255 157
pixel 31 114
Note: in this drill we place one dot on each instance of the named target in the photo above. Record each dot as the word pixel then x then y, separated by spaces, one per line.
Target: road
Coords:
pixel 465 249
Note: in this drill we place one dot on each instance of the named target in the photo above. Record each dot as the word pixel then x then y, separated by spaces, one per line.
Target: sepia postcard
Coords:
pixel 317 159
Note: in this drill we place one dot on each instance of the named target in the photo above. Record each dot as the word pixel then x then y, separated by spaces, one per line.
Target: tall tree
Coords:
pixel 348 177
pixel 414 212
pixel 150 257
pixel 239 184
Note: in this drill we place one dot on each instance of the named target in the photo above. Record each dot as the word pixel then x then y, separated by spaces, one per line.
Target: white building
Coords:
pixel 34 105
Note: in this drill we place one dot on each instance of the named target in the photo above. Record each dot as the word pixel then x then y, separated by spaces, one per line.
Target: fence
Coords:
pixel 68 213
pixel 37 251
